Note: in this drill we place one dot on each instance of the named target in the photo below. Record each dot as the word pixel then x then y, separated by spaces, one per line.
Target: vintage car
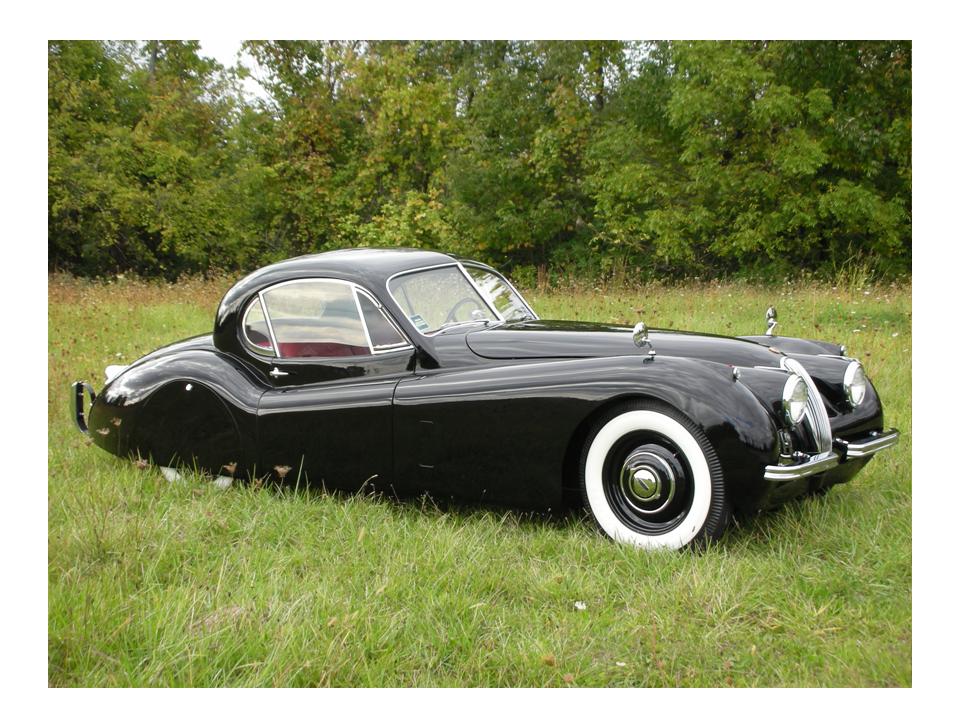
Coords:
pixel 416 372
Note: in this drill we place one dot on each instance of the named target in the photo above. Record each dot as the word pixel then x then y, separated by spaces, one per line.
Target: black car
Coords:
pixel 419 372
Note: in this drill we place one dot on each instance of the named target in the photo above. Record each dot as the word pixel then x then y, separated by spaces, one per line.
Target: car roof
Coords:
pixel 365 266
pixel 368 267
pixel 370 262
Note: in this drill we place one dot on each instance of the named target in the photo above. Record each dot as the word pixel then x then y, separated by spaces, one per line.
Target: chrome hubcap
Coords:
pixel 647 481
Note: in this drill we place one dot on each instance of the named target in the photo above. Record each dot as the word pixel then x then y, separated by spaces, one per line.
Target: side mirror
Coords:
pixel 640 334
pixel 771 320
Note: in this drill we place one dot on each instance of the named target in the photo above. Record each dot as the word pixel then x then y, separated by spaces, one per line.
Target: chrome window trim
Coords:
pixel 246 338
pixel 480 292
pixel 505 282
pixel 363 320
pixel 261 294
pixel 266 314
pixel 380 349
pixel 452 263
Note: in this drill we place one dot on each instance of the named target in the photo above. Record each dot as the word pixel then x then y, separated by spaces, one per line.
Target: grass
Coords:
pixel 152 583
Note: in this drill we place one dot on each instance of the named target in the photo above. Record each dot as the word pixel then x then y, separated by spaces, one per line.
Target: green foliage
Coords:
pixel 664 158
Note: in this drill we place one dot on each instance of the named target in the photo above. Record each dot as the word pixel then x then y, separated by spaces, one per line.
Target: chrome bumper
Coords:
pixel 815 464
pixel 76 403
pixel 875 443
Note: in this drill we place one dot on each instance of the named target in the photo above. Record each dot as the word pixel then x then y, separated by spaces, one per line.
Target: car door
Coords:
pixel 332 358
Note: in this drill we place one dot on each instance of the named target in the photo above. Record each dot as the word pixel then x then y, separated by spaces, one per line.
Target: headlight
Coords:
pixel 855 384
pixel 795 396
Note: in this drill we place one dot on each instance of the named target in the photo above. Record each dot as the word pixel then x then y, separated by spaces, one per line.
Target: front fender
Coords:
pixel 524 420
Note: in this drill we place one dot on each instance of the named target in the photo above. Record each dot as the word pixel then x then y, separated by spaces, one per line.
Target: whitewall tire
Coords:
pixel 650 477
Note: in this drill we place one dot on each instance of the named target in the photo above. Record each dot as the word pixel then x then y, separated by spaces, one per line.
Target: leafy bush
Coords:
pixel 594 159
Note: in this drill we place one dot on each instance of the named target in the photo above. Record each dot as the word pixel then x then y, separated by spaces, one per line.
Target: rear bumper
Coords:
pixel 843 451
pixel 77 402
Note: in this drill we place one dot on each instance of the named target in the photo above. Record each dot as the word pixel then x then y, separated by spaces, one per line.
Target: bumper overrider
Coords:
pixel 843 451
pixel 79 389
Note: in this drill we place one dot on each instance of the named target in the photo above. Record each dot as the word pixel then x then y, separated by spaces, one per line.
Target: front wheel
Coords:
pixel 650 478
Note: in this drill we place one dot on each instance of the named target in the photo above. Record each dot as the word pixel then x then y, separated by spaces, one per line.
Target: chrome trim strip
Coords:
pixel 881 441
pixel 812 466
pixel 480 292
pixel 266 316
pixel 363 320
pixel 379 349
pixel 262 351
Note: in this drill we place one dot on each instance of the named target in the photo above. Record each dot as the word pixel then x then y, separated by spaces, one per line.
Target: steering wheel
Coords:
pixel 452 315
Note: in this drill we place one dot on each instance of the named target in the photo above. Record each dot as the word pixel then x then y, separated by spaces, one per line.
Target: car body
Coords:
pixel 411 372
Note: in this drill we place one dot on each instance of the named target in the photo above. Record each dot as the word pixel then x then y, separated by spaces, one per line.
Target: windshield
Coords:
pixel 438 298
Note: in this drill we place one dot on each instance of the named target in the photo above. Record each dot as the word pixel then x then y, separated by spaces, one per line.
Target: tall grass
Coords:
pixel 152 583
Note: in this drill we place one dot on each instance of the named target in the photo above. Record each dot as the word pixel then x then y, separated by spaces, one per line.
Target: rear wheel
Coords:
pixel 650 478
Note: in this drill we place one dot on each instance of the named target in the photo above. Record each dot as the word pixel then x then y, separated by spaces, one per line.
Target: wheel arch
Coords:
pixel 740 429
pixel 198 401
pixel 577 441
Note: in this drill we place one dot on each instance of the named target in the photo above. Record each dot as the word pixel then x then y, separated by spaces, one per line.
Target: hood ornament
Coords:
pixel 641 337
pixel 771 320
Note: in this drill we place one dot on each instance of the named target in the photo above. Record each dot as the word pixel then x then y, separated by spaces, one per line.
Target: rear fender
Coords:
pixel 195 407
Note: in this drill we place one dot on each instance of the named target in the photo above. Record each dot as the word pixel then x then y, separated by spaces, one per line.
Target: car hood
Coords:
pixel 570 339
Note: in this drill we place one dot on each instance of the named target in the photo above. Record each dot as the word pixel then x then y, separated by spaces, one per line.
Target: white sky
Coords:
pixel 228 53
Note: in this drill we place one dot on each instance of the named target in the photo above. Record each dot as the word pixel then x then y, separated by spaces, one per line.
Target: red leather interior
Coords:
pixel 320 349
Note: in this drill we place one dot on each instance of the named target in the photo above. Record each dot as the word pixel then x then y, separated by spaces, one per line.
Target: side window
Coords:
pixel 383 334
pixel 314 319
pixel 255 330
pixel 507 302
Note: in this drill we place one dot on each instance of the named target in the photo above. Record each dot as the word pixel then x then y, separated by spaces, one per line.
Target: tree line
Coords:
pixel 589 158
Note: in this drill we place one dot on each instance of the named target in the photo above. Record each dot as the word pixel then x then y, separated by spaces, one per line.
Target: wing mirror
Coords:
pixel 771 320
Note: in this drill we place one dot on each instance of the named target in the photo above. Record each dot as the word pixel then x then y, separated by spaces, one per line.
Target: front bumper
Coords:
pixel 843 451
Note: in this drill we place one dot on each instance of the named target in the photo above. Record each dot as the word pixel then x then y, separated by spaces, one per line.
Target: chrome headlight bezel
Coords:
pixel 796 399
pixel 855 384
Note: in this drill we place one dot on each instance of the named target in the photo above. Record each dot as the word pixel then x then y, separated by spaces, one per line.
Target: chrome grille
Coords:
pixel 816 418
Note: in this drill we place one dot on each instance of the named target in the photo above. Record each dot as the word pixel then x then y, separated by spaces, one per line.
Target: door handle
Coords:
pixel 277 372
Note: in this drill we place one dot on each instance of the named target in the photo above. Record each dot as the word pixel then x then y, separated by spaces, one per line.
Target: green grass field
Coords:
pixel 152 583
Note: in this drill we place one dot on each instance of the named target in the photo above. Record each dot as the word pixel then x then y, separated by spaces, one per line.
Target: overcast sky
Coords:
pixel 227 53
